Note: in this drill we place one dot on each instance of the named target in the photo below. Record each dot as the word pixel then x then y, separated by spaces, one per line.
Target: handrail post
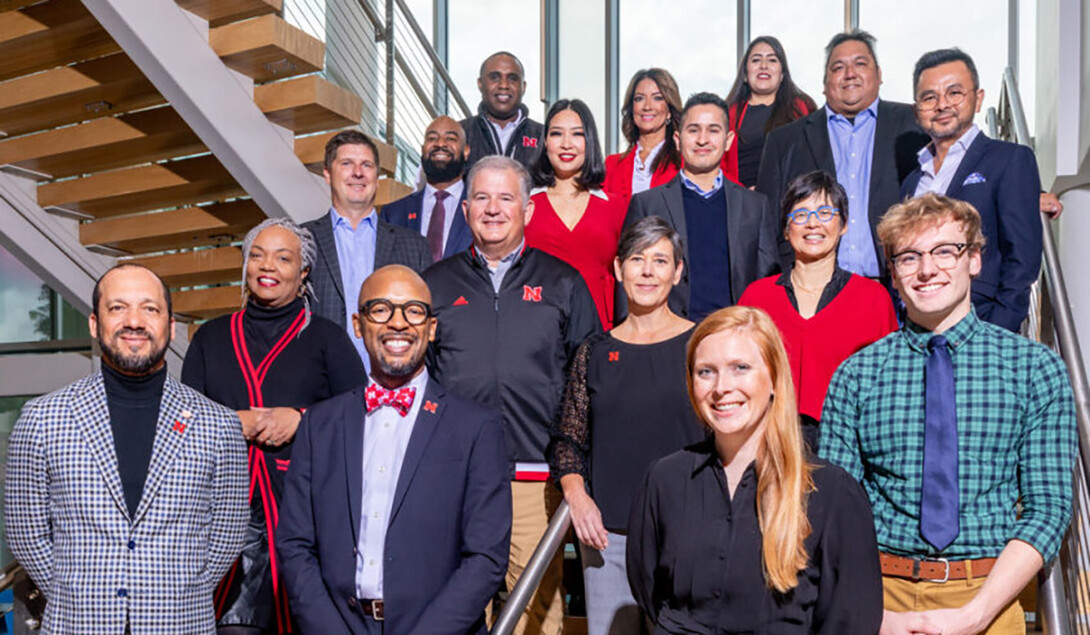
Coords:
pixel 535 569
pixel 390 96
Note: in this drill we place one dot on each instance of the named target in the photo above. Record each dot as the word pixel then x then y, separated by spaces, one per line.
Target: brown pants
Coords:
pixel 905 595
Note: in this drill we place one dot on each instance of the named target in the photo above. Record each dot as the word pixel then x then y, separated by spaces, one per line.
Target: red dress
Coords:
pixel 862 313
pixel 589 247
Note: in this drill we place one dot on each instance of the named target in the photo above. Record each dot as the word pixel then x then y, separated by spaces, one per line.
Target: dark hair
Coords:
pixel 932 59
pixel 785 108
pixel 855 35
pixel 522 71
pixel 345 138
pixel 594 167
pixel 806 185
pixel 704 99
pixel 646 232
pixel 670 154
pixel 96 295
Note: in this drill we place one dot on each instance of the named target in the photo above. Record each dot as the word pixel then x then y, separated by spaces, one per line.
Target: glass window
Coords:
pixel 583 57
pixel 804 28
pixel 30 311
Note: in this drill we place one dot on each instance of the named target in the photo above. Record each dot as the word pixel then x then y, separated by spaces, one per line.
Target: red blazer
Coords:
pixel 619 169
pixel 735 116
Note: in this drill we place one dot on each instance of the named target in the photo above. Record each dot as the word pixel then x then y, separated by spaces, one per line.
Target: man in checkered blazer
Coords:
pixel 126 491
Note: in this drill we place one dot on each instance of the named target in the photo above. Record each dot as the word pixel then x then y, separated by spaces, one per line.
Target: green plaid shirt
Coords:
pixel 1016 438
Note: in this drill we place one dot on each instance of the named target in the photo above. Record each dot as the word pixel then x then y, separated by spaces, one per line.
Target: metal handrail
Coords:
pixel 437 63
pixel 531 576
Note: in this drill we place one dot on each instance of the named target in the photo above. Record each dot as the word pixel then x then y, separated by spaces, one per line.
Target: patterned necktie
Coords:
pixel 400 399
pixel 436 225
pixel 939 491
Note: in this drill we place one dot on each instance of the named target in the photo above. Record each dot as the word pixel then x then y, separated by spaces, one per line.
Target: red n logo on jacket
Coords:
pixel 531 294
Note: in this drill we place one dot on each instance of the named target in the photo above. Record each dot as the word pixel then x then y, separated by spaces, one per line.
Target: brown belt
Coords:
pixel 374 608
pixel 933 569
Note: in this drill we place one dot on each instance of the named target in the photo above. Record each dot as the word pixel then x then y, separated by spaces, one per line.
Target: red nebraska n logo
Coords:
pixel 531 294
pixel 529 142
pixel 615 356
pixel 430 406
pixel 179 427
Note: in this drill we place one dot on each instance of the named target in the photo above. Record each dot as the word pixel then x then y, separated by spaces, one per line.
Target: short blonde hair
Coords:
pixel 930 210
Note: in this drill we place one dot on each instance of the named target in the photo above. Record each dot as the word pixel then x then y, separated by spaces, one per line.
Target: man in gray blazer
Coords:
pixel 352 240
pixel 126 491
pixel 728 233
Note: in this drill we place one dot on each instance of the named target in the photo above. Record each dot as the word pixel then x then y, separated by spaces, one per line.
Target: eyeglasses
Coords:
pixel 801 216
pixel 930 101
pixel 381 311
pixel 944 256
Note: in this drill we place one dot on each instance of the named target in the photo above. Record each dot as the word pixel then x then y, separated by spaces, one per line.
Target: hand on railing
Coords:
pixel 1051 205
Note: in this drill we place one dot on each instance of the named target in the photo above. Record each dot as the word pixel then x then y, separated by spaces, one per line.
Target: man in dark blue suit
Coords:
pixel 998 178
pixel 435 212
pixel 397 511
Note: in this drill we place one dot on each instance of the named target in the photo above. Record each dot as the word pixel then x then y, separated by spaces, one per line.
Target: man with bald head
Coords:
pixel 502 124
pixel 397 512
pixel 435 212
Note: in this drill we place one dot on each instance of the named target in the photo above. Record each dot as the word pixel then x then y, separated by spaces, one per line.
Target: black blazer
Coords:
pixel 1005 188
pixel 408 212
pixel 803 146
pixel 751 237
pixel 393 246
pixel 449 530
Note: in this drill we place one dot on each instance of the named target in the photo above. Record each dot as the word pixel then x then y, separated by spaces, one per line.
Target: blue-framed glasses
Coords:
pixel 801 215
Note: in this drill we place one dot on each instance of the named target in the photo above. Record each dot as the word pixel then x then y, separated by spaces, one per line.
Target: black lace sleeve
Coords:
pixel 569 445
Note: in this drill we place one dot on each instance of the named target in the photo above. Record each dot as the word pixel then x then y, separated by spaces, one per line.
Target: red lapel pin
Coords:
pixel 412 215
pixel 179 427
pixel 430 406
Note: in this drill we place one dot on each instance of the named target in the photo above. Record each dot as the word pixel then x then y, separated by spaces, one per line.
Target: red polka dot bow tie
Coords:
pixel 400 399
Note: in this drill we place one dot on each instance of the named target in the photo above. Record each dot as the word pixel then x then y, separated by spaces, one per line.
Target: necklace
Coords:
pixel 799 285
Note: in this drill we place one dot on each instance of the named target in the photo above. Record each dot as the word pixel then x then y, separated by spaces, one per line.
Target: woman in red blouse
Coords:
pixel 649 119
pixel 573 218
pixel 824 313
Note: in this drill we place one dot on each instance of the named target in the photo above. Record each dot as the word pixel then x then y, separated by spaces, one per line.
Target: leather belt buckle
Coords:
pixel 946 570
pixel 378 610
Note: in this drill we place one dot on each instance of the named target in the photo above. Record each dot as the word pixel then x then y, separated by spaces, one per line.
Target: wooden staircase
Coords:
pixel 81 119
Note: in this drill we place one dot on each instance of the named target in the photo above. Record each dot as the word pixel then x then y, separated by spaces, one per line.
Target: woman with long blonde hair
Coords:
pixel 746 532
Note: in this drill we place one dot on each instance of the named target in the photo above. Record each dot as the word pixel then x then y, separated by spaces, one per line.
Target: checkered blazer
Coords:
pixel 68 525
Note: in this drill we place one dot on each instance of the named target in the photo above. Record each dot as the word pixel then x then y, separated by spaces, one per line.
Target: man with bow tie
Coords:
pixel 397 512
pixel 998 178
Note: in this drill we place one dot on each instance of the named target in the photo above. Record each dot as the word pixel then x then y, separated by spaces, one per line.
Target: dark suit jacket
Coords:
pixel 803 146
pixel 408 211
pixel 1007 195
pixel 393 246
pixel 449 529
pixel 751 237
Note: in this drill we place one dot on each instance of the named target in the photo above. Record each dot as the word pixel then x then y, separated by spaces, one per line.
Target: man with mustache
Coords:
pixel 424 474
pixel 435 212
pixel 126 490
pixel 502 124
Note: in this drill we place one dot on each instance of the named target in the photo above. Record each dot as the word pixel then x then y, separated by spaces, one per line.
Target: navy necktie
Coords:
pixel 939 492
pixel 436 226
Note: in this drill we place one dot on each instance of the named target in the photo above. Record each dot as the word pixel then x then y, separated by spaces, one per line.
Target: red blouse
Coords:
pixel 589 247
pixel 862 313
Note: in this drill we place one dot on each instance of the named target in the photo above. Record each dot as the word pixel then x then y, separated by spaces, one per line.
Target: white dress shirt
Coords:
pixel 505 131
pixel 450 205
pixel 641 170
pixel 939 183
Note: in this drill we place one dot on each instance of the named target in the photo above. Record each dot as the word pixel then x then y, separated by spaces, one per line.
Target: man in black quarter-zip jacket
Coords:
pixel 502 124
pixel 509 320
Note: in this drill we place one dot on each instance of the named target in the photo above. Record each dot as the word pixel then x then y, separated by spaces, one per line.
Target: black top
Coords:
pixel 625 407
pixel 836 284
pixel 751 142
pixel 134 416
pixel 694 554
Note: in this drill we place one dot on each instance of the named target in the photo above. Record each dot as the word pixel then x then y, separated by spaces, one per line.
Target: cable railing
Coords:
pixel 1064 591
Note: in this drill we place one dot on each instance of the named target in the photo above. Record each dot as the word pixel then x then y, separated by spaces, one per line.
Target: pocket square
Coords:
pixel 975 177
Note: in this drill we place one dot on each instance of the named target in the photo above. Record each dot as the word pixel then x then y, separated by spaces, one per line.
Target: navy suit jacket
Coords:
pixel 449 529
pixel 1005 188
pixel 408 212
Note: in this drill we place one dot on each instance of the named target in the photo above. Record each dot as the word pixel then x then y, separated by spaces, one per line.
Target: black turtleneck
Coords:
pixel 134 414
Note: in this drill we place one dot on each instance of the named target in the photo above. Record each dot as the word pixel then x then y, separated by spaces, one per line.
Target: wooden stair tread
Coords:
pixel 267 48
pixel 103 144
pixel 214 224
pixel 142 188
pixel 308 104
pixel 12 5
pixel 196 267
pixel 204 304
pixel 311 151
pixel 50 34
pixel 99 87
pixel 219 12
pixel 389 191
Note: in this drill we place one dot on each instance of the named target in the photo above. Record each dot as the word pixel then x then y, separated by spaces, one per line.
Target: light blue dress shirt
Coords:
pixel 385 438
pixel 939 183
pixel 356 256
pixel 716 186
pixel 852 143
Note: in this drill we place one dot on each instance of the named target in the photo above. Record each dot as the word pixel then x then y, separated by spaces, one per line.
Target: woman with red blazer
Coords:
pixel 762 98
pixel 649 118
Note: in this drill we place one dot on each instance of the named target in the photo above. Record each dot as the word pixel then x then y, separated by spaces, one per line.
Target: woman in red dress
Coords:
pixel 649 119
pixel 573 219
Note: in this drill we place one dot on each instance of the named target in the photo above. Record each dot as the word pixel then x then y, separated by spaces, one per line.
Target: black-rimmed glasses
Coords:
pixel 930 101
pixel 945 256
pixel 381 311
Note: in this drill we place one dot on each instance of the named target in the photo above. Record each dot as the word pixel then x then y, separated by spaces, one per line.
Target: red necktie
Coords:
pixel 400 399
pixel 436 226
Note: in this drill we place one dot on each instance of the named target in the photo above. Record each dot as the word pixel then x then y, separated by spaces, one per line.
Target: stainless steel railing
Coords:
pixel 535 569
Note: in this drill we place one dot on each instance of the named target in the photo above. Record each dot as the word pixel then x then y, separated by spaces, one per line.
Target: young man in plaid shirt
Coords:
pixel 948 423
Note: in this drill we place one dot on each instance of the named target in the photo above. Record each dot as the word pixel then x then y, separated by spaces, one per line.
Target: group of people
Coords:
pixel 765 355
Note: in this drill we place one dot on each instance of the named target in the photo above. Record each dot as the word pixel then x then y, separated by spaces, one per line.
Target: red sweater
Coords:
pixel 859 315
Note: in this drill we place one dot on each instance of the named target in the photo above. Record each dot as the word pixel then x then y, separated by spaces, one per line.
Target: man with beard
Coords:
pixel 126 491
pixel 502 124
pixel 436 211
pixel 424 473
